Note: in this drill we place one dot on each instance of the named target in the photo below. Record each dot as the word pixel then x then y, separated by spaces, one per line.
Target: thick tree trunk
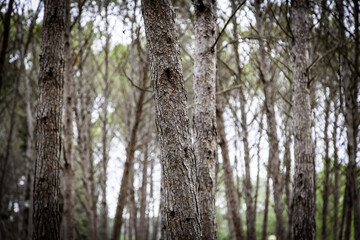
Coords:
pixel 274 159
pixel 304 195
pixel 180 215
pixel 325 194
pixel 47 214
pixel 68 171
pixel 205 112
pixel 231 193
pixel 130 155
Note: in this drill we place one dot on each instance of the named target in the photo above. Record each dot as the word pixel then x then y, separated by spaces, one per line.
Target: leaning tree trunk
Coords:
pixel 304 195
pixel 205 112
pixel 143 221
pixel 47 193
pixel 274 159
pixel 231 193
pixel 68 171
pixel 129 163
pixel 180 218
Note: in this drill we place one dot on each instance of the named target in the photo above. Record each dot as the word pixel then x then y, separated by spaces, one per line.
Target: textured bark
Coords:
pixel 47 169
pixel 350 88
pixel 274 160
pixel 143 197
pixel 231 194
pixel 130 155
pixel 5 39
pixel 103 230
pixel 325 194
pixel 205 112
pixel 250 213
pixel 68 171
pixel 304 195
pixel 180 214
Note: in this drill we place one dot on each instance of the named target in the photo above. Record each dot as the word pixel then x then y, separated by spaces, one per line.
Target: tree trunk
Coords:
pixel 304 195
pixel 180 218
pixel 250 214
pixel 143 197
pixel 231 193
pixel 274 160
pixel 205 112
pixel 336 172
pixel 47 213
pixel 130 155
pixel 266 210
pixel 103 230
pixel 350 87
pixel 5 39
pixel 325 194
pixel 68 171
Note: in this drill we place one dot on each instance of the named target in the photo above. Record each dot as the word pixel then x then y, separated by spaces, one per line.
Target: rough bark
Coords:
pixel 47 169
pixel 274 159
pixel 180 215
pixel 205 112
pixel 231 193
pixel 304 195
pixel 5 39
pixel 325 194
pixel 103 231
pixel 68 171
pixel 130 155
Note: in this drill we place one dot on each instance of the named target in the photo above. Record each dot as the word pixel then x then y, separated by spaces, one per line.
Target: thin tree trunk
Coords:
pixel 180 216
pixel 336 172
pixel 130 156
pixel 103 231
pixel 350 87
pixel 47 169
pixel 231 194
pixel 142 221
pixel 287 162
pixel 266 210
pixel 325 194
pixel 250 214
pixel 68 171
pixel 205 112
pixel 304 195
pixel 5 40
pixel 274 159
